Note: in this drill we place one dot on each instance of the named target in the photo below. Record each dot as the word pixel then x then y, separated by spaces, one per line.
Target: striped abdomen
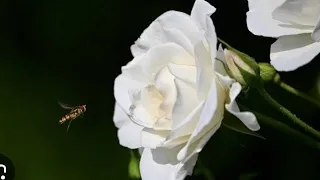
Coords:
pixel 71 116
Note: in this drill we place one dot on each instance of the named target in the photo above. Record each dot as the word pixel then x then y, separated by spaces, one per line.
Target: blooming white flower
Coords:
pixel 295 22
pixel 170 99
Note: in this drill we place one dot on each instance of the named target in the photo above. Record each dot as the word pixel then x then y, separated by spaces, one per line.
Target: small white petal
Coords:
pixel 220 53
pixel 130 135
pixel 291 52
pixel 260 20
pixel 248 118
pixel 161 164
pixel 220 62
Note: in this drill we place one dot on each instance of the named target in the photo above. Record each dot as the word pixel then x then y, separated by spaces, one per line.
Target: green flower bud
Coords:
pixel 243 68
pixel 268 73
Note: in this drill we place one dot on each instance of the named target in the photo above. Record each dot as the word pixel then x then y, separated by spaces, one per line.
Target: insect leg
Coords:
pixel 69 124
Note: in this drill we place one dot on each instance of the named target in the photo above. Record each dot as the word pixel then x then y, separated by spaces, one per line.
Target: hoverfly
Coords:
pixel 75 112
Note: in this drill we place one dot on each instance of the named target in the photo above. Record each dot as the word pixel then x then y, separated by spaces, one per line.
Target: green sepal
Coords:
pixel 251 80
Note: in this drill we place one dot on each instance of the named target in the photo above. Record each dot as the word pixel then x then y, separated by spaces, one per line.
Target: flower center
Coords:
pixel 151 99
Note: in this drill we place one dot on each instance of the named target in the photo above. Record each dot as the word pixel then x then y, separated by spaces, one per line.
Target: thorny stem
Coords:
pixel 296 92
pixel 271 122
pixel 287 113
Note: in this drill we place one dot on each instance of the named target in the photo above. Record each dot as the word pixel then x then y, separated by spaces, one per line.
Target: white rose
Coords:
pixel 295 22
pixel 170 99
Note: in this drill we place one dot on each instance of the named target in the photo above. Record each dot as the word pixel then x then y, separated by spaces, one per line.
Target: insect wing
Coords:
pixel 65 106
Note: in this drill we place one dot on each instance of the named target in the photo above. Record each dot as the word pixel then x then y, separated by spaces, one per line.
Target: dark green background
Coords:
pixel 71 51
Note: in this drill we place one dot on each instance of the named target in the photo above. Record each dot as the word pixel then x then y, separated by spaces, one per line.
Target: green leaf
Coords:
pixel 133 168
pixel 233 123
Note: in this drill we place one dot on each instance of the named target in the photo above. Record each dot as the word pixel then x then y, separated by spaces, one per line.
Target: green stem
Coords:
pixel 297 92
pixel 289 114
pixel 286 130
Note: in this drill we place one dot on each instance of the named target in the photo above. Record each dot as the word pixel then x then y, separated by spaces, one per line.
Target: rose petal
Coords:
pixel 122 86
pixel 120 117
pixel 220 54
pixel 316 32
pixel 200 14
pixel 248 118
pixel 211 115
pixel 220 62
pixel 179 23
pixel 151 138
pixel 151 36
pixel 204 70
pixel 192 149
pixel 304 12
pixel 177 36
pixel 291 52
pixel 186 102
pixel 164 81
pixel 260 21
pixel 133 70
pixel 200 11
pixel 181 132
pixel 141 116
pixel 161 164
pixel 155 59
pixel 130 135
pixel 185 73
